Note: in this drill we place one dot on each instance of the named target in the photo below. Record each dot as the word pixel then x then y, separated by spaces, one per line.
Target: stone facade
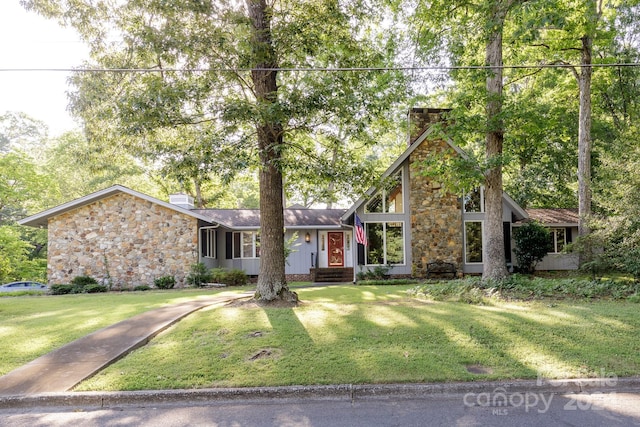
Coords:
pixel 436 215
pixel 125 238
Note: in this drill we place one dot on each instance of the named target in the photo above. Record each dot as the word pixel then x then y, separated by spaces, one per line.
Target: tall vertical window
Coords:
pixel 208 242
pixel 385 243
pixel 558 239
pixel 246 244
pixel 473 242
pixel 474 200
pixel 389 198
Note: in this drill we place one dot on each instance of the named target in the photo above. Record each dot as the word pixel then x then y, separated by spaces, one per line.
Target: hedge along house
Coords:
pixel 130 238
pixel 412 220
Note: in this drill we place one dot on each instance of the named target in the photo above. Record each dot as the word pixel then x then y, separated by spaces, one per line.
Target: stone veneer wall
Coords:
pixel 436 215
pixel 131 238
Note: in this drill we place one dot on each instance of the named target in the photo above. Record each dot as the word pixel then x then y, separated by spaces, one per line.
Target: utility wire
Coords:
pixel 312 69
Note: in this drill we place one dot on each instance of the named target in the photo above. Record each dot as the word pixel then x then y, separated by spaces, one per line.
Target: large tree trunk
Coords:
pixel 584 147
pixel 272 284
pixel 494 263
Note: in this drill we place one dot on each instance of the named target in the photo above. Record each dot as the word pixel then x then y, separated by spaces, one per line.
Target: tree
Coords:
pixel 462 28
pixel 571 34
pixel 234 52
pixel 20 132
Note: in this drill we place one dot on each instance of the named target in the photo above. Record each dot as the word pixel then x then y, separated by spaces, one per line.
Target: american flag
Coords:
pixel 360 237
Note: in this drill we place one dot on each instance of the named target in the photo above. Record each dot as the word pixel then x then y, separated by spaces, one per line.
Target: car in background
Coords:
pixel 23 286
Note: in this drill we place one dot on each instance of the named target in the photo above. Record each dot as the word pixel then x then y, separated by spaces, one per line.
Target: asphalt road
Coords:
pixel 469 409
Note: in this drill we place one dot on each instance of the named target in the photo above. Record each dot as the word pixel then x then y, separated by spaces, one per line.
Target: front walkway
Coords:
pixel 64 368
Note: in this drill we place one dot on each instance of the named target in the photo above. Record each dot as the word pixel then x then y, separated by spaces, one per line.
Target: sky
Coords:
pixel 27 40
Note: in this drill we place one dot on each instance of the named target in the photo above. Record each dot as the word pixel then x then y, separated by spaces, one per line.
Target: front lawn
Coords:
pixel 371 334
pixel 31 326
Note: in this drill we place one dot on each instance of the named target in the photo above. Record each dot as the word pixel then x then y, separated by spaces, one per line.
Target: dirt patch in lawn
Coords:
pixel 479 369
pixel 265 353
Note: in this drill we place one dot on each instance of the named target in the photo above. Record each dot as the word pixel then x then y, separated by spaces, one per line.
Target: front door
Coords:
pixel 336 249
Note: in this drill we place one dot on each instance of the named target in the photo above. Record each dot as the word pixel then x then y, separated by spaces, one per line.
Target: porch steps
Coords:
pixel 332 274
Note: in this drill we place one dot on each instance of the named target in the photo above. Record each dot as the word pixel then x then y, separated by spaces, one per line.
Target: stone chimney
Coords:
pixel 181 200
pixel 421 118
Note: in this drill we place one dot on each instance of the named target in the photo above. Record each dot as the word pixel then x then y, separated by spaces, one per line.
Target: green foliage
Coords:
pixel 94 288
pixel 142 288
pixel 232 277
pixel 385 282
pixel 61 289
pixel 164 282
pixel 198 275
pixel 14 257
pixel 379 272
pixel 83 281
pixel 79 285
pixel 532 245
pixel 521 287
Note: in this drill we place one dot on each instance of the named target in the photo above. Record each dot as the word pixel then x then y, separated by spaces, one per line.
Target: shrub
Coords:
pixel 379 272
pixel 165 282
pixel 232 277
pixel 142 288
pixel 94 288
pixel 61 289
pixel 198 275
pixel 83 281
pixel 235 277
pixel 533 242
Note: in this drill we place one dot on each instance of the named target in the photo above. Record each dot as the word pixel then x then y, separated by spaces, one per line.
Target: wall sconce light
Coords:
pixel 307 237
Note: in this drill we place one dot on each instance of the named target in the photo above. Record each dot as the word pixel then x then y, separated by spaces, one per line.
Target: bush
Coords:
pixel 198 275
pixel 64 289
pixel 82 281
pixel 61 289
pixel 142 288
pixel 232 277
pixel 165 282
pixel 533 242
pixel 94 288
pixel 380 272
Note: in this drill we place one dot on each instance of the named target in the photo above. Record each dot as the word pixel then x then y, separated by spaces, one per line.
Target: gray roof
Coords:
pixel 293 218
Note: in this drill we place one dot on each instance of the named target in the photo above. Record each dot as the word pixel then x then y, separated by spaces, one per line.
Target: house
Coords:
pixel 132 238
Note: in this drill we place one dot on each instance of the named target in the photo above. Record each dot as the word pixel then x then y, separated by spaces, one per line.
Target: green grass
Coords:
pixel 31 326
pixel 370 334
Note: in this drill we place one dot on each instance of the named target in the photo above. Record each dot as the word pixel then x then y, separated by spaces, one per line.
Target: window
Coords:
pixel 473 242
pixel 386 243
pixel 389 199
pixel 474 201
pixel 246 244
pixel 208 242
pixel 558 239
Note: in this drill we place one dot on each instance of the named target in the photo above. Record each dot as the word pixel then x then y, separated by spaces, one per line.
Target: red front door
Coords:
pixel 336 249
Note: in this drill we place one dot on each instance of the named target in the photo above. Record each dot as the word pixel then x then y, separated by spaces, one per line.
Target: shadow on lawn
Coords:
pixel 399 339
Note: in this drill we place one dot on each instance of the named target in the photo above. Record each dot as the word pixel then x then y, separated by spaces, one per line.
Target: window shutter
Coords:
pixel 567 233
pixel 229 245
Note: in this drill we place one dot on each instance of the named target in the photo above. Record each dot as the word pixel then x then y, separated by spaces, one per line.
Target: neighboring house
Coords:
pixel 132 238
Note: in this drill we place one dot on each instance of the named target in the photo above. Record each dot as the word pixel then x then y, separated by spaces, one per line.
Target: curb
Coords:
pixel 340 392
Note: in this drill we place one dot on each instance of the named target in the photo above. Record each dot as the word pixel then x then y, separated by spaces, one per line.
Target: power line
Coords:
pixel 313 69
